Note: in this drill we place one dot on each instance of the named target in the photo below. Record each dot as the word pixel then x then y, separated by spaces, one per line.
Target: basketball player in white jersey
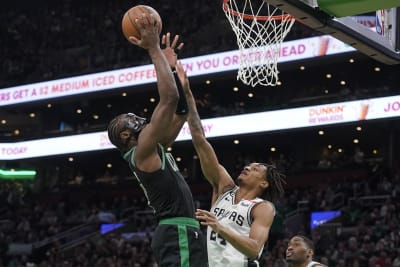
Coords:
pixel 300 251
pixel 240 220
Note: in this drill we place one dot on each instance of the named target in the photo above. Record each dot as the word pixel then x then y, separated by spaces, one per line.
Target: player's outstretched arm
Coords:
pixel 146 157
pixel 170 51
pixel 214 172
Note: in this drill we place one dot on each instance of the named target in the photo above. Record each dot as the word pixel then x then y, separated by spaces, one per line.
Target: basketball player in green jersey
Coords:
pixel 300 252
pixel 240 219
pixel 177 240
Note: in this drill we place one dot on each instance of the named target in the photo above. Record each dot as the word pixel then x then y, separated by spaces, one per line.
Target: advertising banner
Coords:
pixel 129 77
pixel 311 116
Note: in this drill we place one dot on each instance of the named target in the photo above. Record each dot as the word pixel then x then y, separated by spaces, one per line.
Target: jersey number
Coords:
pixel 217 238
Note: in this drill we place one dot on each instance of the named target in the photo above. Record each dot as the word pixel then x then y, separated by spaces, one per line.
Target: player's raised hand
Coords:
pixel 148 28
pixel 171 49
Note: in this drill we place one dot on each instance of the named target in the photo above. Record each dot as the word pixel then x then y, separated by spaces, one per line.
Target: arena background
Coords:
pixel 55 219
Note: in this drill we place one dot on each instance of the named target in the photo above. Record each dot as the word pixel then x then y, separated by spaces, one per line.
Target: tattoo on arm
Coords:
pixel 193 118
pixel 196 122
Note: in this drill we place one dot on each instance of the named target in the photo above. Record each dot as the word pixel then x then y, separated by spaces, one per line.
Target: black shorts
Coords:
pixel 179 242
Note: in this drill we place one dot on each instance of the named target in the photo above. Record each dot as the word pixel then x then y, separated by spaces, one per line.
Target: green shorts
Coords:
pixel 179 242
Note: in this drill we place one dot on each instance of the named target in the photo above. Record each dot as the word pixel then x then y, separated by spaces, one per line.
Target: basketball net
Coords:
pixel 260 29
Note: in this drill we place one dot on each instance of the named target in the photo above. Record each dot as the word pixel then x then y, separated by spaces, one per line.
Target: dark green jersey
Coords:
pixel 166 190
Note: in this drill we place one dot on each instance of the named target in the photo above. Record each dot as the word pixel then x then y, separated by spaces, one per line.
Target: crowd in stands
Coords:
pixel 74 37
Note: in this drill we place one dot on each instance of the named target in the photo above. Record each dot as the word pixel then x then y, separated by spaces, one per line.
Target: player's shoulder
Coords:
pixel 263 204
pixel 263 207
pixel 263 213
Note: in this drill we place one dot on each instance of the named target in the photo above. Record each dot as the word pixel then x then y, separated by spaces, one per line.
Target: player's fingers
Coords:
pixel 154 20
pixel 168 39
pixel 163 39
pixel 209 213
pixel 148 19
pixel 201 218
pixel 204 213
pixel 133 40
pixel 175 41
pixel 141 22
pixel 209 218
pixel 138 22
pixel 200 213
pixel 180 46
pixel 204 223
pixel 200 210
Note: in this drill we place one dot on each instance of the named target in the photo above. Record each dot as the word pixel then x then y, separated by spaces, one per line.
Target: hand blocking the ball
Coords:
pixel 149 35
pixel 141 25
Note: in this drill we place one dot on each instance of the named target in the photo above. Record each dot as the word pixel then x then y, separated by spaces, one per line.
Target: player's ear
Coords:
pixel 310 253
pixel 264 184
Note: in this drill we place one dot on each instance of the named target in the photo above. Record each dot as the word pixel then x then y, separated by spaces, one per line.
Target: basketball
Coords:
pixel 128 26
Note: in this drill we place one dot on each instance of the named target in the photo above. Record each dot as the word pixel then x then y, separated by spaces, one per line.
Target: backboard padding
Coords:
pixel 345 29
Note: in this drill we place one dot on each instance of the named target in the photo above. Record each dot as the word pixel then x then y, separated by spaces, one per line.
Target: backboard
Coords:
pixel 336 18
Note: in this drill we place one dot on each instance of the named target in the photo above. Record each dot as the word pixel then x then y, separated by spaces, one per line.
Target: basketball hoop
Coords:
pixel 260 29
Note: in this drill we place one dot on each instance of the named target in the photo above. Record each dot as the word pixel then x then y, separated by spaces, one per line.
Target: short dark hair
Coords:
pixel 127 121
pixel 114 129
pixel 309 243
pixel 276 180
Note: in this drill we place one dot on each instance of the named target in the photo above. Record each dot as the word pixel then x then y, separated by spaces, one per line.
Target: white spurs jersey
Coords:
pixel 236 217
pixel 313 263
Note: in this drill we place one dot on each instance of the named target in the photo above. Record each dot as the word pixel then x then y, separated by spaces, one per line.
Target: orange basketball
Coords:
pixel 128 26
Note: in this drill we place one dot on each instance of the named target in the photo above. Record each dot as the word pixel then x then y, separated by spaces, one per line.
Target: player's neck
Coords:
pixel 244 193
